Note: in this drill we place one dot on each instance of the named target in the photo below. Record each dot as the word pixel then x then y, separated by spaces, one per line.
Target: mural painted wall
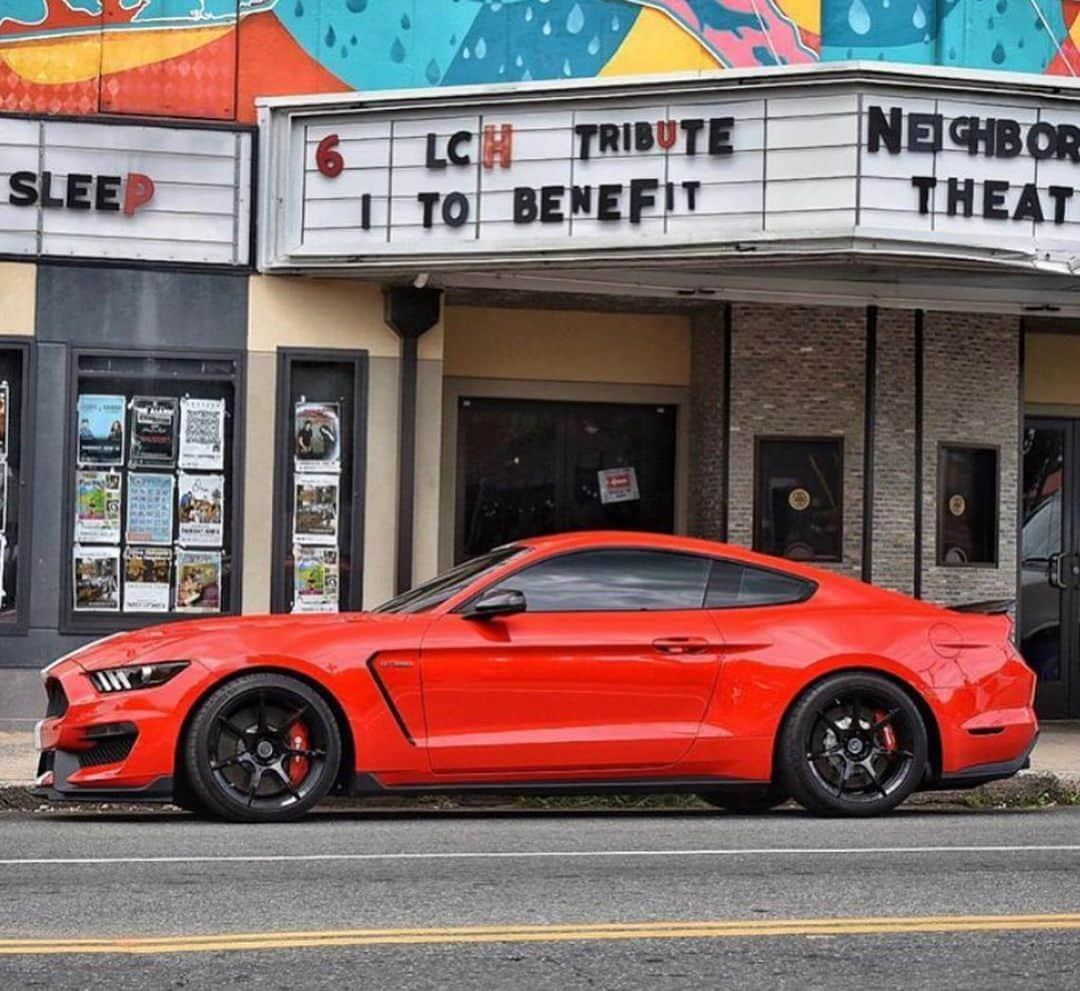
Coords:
pixel 211 58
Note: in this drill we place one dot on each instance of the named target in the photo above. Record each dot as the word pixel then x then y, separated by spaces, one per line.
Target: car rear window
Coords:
pixel 733 585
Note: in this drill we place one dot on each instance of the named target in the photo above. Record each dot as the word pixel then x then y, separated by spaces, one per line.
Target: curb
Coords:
pixel 1029 789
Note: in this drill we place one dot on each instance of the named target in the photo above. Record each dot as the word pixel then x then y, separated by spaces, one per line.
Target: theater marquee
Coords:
pixel 738 162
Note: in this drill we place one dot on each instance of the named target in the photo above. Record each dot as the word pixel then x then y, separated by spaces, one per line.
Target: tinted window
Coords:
pixel 737 585
pixel 436 591
pixel 613 581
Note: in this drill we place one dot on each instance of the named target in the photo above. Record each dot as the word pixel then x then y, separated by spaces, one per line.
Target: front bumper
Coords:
pixel 111 747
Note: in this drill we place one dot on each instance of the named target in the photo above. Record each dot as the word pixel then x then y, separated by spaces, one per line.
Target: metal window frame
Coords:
pixel 285 469
pixel 943 447
pixel 77 623
pixel 20 625
pixel 836 439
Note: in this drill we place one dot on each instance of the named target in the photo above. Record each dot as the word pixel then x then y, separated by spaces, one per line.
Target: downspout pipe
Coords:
pixel 410 312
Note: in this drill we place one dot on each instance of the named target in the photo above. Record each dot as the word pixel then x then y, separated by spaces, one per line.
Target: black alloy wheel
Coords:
pixel 262 748
pixel 853 745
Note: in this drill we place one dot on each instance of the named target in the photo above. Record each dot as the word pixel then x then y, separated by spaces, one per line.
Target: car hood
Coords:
pixel 218 634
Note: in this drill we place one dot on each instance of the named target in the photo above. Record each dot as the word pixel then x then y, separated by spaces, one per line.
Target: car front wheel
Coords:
pixel 263 748
pixel 854 744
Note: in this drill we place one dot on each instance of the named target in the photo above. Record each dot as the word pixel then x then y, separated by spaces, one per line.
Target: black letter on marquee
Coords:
pixel 78 191
pixel 23 191
pixel 586 132
pixel 457 139
pixel 879 130
pixel 720 135
pixel 455 209
pixel 551 204
pixel 994 191
pixel 581 199
pixel 524 204
pixel 1060 195
pixel 607 206
pixel 1028 206
pixel 691 187
pixel 955 197
pixel 924 183
pixel 432 158
pixel 47 199
pixel 1007 142
pixel 641 196
pixel 643 136
pixel 107 196
pixel 609 137
pixel 691 126
pixel 429 200
pixel 923 132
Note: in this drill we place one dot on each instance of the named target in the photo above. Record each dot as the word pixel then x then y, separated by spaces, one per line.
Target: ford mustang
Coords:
pixel 587 661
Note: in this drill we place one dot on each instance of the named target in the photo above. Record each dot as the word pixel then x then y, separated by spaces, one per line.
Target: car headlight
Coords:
pixel 127 679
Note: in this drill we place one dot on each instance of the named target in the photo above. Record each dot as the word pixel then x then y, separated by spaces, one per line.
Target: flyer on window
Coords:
pixel 101 430
pixel 147 571
pixel 153 432
pixel 198 581
pixel 315 579
pixel 202 433
pixel 97 506
pixel 149 508
pixel 200 504
pixel 3 562
pixel 3 495
pixel 315 509
pixel 4 396
pixel 97 579
pixel 317 436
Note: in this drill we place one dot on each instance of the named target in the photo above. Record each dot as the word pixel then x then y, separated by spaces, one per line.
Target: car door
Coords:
pixel 610 667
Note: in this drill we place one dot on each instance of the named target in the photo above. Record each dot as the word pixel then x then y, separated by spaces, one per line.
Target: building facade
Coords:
pixel 296 352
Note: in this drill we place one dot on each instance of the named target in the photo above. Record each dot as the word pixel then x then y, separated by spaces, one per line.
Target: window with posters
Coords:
pixel 154 470
pixel 319 490
pixel 14 465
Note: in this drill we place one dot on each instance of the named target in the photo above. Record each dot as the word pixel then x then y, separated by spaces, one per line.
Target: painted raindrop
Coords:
pixel 356 6
pixel 575 20
pixel 858 17
pixel 405 22
pixel 466 52
pixel 528 14
pixel 397 51
pixel 433 72
pixel 331 38
pixel 566 70
pixel 594 44
pixel 526 76
pixel 546 28
pixel 299 10
pixel 998 54
pixel 519 61
pixel 344 51
pixel 918 19
pixel 480 49
pixel 1002 6
pixel 614 22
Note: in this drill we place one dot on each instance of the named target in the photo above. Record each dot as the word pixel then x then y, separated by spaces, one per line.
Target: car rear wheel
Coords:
pixel 746 801
pixel 853 745
pixel 262 748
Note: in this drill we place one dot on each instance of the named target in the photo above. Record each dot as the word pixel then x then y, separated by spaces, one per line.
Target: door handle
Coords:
pixel 681 645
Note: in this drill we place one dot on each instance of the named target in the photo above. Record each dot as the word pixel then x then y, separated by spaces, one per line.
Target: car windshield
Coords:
pixel 435 592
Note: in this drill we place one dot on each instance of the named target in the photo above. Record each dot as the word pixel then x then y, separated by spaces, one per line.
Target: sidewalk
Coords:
pixel 1057 753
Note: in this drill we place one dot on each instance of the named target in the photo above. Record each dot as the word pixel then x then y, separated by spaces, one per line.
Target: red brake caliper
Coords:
pixel 298 740
pixel 887 731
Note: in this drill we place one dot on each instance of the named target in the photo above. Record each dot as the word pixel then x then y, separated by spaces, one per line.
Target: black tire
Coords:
pixel 853 745
pixel 239 756
pixel 748 801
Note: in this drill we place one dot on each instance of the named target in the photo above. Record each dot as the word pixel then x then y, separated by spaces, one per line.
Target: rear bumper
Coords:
pixel 981 774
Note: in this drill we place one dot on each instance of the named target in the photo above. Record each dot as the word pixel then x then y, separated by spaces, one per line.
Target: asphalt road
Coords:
pixel 923 899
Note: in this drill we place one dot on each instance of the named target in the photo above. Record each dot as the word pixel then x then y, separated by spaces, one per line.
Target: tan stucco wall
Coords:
pixel 18 294
pixel 346 314
pixel 1052 369
pixel 567 346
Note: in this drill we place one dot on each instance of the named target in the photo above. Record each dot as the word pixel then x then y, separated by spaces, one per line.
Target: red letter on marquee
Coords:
pixel 502 146
pixel 666 133
pixel 140 191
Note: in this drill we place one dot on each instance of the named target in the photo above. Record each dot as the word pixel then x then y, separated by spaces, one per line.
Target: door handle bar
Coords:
pixel 681 645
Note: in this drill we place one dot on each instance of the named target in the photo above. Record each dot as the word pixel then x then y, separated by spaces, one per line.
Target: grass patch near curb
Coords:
pixel 1035 791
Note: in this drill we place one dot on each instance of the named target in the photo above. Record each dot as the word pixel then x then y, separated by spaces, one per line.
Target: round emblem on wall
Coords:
pixel 957 505
pixel 799 499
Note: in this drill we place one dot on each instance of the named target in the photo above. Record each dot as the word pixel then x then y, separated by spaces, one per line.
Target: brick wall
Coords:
pixel 797 370
pixel 894 452
pixel 707 462
pixel 971 395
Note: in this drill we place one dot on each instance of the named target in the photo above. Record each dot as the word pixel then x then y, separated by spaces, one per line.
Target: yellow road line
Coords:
pixel 536 934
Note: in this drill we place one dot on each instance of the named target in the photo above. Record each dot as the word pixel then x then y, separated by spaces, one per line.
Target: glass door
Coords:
pixel 1049 610
pixel 530 467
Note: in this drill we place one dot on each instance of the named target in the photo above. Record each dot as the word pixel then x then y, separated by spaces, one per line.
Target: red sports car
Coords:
pixel 582 662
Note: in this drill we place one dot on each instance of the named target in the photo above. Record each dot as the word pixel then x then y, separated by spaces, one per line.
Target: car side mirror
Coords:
pixel 497 602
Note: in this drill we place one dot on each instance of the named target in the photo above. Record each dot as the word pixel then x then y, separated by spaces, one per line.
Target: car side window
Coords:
pixel 734 585
pixel 615 580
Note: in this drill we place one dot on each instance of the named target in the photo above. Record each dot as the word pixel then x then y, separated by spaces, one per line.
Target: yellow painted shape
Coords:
pixel 1074 31
pixel 18 295
pixel 123 50
pixel 74 60
pixel 805 13
pixel 577 932
pixel 656 43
